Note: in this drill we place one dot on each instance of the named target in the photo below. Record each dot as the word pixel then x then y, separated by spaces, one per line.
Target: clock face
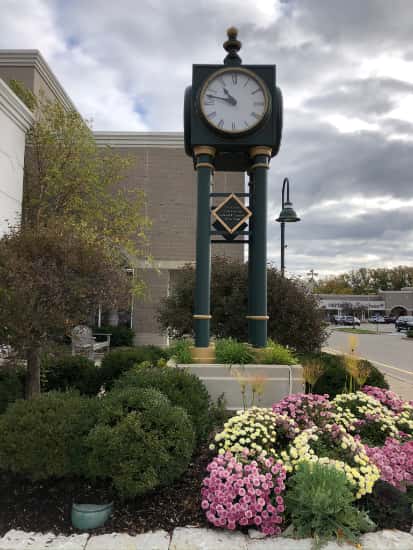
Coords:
pixel 234 100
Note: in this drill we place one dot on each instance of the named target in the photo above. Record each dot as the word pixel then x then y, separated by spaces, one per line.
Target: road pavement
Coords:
pixel 389 350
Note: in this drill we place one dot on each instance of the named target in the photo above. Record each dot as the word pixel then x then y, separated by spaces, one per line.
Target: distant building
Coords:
pixel 162 171
pixel 385 302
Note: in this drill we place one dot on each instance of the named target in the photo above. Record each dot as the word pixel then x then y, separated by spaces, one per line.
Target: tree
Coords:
pixel 50 280
pixel 367 281
pixel 80 228
pixel 295 318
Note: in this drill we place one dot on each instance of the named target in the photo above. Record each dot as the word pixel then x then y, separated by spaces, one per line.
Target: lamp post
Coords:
pixel 287 215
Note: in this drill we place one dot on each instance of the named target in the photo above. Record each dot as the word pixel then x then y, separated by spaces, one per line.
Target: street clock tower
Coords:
pixel 232 122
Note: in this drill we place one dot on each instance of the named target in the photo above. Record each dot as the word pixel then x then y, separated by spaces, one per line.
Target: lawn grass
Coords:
pixel 356 330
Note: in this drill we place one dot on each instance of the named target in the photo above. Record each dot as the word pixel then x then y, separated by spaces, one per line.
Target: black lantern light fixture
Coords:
pixel 287 215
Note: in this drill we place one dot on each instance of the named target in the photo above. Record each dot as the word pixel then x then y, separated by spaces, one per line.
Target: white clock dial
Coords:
pixel 234 101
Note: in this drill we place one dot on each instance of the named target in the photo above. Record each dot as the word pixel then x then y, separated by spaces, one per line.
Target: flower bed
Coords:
pixel 365 436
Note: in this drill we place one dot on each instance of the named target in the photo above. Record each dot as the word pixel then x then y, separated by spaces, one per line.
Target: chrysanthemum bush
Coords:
pixel 395 462
pixel 403 410
pixel 334 446
pixel 259 430
pixel 306 410
pixel 239 493
pixel 362 414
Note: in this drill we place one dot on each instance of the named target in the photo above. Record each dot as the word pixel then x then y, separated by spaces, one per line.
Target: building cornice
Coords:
pixel 14 108
pixel 33 58
pixel 169 140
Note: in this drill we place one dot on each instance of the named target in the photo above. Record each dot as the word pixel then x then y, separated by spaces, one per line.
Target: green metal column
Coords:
pixel 257 307
pixel 251 324
pixel 204 167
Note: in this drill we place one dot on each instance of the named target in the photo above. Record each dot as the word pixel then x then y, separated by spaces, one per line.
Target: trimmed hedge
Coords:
pixel 116 362
pixel 11 386
pixel 333 380
pixel 181 387
pixel 141 441
pixel 71 373
pixel 45 437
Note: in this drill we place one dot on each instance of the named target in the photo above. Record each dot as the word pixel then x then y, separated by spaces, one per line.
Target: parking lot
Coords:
pixel 389 350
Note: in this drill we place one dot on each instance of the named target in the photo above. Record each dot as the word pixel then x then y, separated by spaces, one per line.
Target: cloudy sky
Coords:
pixel 346 72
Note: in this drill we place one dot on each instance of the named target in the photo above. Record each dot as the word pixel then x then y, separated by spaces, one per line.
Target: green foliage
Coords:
pixel 71 373
pixel 140 442
pixel 295 317
pixel 333 380
pixel 180 350
pixel 11 386
pixel 276 354
pixel 182 388
pixel 121 336
pixel 118 361
pixel 367 280
pixel 388 507
pixel 23 93
pixel 320 503
pixel 231 352
pixel 409 333
pixel 45 437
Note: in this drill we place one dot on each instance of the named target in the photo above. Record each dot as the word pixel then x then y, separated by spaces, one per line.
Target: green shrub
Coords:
pixel 118 361
pixel 276 354
pixel 71 373
pixel 388 507
pixel 140 442
pixel 182 388
pixel 333 380
pixel 320 504
pixel 45 437
pixel 11 386
pixel 120 336
pixel 180 350
pixel 409 333
pixel 231 352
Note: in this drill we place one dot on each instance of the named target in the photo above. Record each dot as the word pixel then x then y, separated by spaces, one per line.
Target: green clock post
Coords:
pixel 232 122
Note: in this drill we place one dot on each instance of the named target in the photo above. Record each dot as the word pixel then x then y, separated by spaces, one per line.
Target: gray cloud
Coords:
pixel 345 70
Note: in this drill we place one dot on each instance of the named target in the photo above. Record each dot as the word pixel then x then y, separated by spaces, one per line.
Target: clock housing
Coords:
pixel 232 147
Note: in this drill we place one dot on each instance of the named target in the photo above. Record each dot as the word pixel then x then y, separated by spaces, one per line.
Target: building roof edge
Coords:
pixel 173 140
pixel 14 108
pixel 33 58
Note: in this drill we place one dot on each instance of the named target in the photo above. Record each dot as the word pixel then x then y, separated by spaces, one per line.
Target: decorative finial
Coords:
pixel 232 46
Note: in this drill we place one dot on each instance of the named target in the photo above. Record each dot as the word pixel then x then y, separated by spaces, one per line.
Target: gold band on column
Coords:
pixel 205 164
pixel 259 165
pixel 202 316
pixel 204 150
pixel 258 317
pixel 260 150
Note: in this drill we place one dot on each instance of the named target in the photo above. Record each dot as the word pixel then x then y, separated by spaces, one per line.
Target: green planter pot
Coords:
pixel 90 516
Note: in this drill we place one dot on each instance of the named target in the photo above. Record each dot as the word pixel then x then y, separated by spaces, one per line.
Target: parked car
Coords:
pixel 348 320
pixel 388 320
pixel 404 322
pixel 376 319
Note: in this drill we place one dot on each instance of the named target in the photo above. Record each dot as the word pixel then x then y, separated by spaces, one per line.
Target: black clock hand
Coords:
pixel 230 100
pixel 233 100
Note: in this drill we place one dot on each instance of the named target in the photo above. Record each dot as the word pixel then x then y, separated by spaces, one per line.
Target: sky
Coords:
pixel 346 72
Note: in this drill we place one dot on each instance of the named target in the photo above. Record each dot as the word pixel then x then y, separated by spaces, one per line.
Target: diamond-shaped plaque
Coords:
pixel 231 213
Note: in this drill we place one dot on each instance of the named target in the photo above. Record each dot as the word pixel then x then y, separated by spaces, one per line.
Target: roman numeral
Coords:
pixel 233 125
pixel 255 115
pixel 258 103
pixel 222 81
pixel 212 115
pixel 246 82
pixel 211 102
pixel 221 123
pixel 246 124
pixel 234 78
pixel 256 91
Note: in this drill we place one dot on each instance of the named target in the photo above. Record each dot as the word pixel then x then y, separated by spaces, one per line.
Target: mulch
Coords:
pixel 46 506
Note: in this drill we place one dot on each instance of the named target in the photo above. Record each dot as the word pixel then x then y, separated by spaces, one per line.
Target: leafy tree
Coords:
pixel 295 318
pixel 80 227
pixel 50 280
